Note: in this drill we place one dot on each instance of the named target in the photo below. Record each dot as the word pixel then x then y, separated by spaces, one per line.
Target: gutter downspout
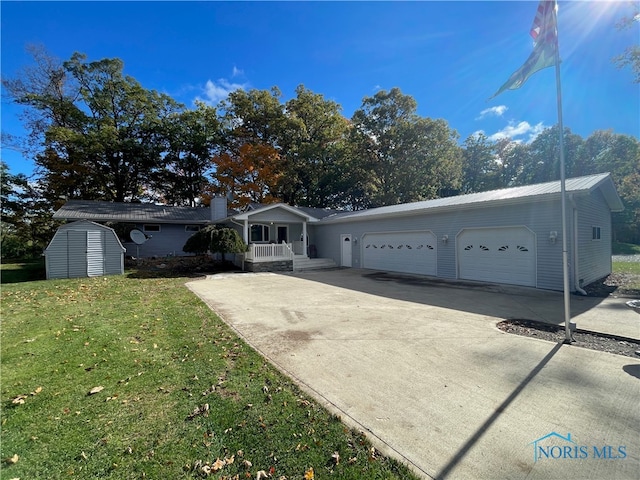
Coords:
pixel 576 268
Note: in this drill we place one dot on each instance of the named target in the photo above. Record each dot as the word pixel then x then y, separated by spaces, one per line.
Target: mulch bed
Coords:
pixel 615 285
pixel 182 266
pixel 554 333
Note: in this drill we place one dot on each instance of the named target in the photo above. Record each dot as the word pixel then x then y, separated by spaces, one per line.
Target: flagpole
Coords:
pixel 565 255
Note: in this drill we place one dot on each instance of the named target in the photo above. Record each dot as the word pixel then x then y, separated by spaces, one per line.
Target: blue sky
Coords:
pixel 450 56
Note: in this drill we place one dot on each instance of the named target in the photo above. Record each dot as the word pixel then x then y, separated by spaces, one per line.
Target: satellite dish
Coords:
pixel 137 236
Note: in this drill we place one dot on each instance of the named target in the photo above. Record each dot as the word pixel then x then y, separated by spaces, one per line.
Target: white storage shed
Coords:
pixel 84 249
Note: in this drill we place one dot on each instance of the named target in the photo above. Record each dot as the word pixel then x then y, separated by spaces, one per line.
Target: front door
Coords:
pixel 283 234
pixel 345 249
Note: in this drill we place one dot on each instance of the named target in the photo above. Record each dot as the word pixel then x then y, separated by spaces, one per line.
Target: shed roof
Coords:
pixel 527 193
pixel 132 212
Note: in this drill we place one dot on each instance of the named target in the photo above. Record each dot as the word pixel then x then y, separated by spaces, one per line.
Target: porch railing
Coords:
pixel 268 252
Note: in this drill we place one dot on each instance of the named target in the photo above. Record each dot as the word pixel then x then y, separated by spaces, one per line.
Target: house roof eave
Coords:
pixel 293 210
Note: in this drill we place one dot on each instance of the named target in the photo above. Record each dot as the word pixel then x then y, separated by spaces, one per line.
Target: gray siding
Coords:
pixel 594 256
pixel 167 242
pixel 540 217
pixel 82 249
pixel 56 256
pixel 275 215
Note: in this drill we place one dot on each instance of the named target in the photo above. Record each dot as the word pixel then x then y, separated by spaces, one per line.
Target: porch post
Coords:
pixel 304 238
pixel 245 232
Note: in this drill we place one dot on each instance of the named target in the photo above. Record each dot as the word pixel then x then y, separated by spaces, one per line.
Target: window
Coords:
pixel 192 228
pixel 259 233
pixel 151 228
pixel 595 233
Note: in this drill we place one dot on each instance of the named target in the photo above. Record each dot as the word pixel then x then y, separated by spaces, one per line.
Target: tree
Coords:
pixel 315 139
pixel 511 158
pixel 631 56
pixel 98 132
pixel 543 156
pixel 480 170
pixel 250 174
pixel 26 224
pixel 215 239
pixel 192 138
pixel 605 151
pixel 249 166
pixel 407 157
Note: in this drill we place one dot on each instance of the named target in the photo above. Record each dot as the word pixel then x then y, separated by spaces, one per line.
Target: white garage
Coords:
pixel 409 252
pixel 499 255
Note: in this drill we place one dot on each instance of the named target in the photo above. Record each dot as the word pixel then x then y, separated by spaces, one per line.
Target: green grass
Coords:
pixel 626 267
pixel 625 249
pixel 160 355
pixel 22 270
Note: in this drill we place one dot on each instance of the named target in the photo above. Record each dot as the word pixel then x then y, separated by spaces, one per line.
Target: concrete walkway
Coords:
pixel 421 367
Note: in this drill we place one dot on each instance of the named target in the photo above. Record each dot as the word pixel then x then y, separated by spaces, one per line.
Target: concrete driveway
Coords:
pixel 421 368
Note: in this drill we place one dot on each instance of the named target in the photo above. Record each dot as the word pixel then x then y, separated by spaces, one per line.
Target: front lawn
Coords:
pixel 121 377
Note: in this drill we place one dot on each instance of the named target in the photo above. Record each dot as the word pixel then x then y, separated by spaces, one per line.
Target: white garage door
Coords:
pixel 499 255
pixel 408 252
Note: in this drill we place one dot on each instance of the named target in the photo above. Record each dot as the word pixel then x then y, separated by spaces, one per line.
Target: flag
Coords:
pixel 545 36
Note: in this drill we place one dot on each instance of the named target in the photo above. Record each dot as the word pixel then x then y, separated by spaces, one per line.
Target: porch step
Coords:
pixel 301 263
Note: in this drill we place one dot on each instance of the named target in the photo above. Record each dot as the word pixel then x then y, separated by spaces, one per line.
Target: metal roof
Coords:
pixel 151 213
pixel 578 185
pixel 132 212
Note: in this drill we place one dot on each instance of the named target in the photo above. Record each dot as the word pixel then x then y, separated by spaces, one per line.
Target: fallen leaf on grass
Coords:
pixel 19 400
pixel 308 475
pixel 218 465
pixel 203 410
pixel 12 460
pixel 261 475
pixel 95 390
pixel 335 457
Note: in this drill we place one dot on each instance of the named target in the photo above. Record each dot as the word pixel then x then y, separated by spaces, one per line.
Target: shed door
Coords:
pixel 498 255
pixel 95 254
pixel 77 253
pixel 408 252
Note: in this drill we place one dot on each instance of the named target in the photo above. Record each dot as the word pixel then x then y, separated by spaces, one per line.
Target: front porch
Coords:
pixel 281 257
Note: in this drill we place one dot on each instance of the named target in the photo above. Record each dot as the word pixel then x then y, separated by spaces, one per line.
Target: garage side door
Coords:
pixel 408 252
pixel 498 255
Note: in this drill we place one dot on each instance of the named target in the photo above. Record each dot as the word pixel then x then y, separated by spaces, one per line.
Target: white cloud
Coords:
pixel 236 72
pixel 496 111
pixel 216 91
pixel 521 129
